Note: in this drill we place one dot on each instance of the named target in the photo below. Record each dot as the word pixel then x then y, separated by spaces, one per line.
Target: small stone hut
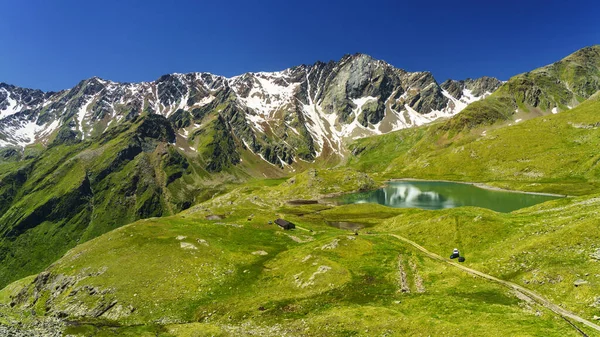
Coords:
pixel 285 224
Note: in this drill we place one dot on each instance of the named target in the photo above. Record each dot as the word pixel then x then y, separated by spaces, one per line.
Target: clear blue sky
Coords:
pixel 52 45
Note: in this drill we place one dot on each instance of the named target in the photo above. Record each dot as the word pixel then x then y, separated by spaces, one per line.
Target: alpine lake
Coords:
pixel 434 195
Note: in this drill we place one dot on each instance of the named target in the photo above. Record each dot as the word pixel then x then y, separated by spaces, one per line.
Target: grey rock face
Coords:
pixel 477 87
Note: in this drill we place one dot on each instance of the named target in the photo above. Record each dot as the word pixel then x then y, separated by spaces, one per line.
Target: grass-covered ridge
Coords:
pixel 555 87
pixel 554 153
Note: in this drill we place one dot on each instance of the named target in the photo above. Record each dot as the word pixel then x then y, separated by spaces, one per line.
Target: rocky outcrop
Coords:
pixel 39 327
pixel 482 86
pixel 62 296
pixel 560 85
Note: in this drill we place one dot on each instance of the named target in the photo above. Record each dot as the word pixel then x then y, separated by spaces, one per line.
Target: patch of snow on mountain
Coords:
pixel 247 146
pixel 399 122
pixel 81 115
pixel 266 97
pixel 283 164
pixel 265 159
pixel 361 101
pixel 182 103
pixel 469 98
pixel 25 132
pixel 355 129
pixel 459 105
pixel 49 129
pixel 292 128
pixel 256 120
pixel 12 107
pixel 206 100
pixel 485 94
pixel 415 118
pixel 315 126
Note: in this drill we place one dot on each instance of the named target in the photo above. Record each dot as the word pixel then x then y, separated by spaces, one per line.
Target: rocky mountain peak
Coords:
pixel 302 112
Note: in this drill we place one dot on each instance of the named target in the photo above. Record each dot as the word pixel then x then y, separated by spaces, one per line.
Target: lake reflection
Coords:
pixel 438 195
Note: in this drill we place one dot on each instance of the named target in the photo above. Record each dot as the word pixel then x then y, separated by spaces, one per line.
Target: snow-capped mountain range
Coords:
pixel 301 112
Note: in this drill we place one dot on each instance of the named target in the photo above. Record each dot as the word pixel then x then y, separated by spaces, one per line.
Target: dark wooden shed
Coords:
pixel 285 224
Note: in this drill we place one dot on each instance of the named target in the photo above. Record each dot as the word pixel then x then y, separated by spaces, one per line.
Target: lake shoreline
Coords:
pixel 482 186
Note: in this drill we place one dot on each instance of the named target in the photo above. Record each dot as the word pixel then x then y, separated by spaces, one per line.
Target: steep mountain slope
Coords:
pixel 300 113
pixel 550 89
pixel 71 193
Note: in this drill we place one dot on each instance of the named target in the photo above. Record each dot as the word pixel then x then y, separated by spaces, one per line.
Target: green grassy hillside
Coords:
pixel 555 153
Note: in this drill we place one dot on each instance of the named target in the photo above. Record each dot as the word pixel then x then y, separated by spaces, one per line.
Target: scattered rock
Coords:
pixel 102 308
pixel 595 255
pixel 579 282
pixel 260 252
pixel 332 245
pixel 311 279
pixel 186 245
pixel 40 327
pixel 350 237
pixel 299 240
pixel 202 242
pixel 403 279
pixel 180 237
pixel 417 278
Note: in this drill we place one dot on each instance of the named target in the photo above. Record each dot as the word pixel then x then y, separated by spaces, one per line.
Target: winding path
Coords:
pixel 565 314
